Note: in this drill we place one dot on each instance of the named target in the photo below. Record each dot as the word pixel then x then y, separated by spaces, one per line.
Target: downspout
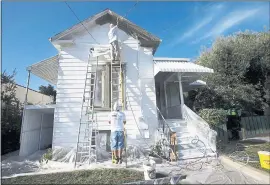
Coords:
pixel 25 101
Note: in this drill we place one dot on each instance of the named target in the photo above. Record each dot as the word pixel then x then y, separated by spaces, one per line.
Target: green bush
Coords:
pixel 156 150
pixel 213 117
pixel 11 114
pixel 47 156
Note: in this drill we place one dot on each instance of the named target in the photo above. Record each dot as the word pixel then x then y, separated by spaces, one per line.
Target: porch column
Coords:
pixel 181 94
pixel 25 101
pixel 166 103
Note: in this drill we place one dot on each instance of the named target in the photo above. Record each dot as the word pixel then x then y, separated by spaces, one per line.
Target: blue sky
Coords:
pixel 184 27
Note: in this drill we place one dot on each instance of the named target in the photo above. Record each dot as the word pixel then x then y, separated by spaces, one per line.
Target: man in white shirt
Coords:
pixel 113 40
pixel 117 119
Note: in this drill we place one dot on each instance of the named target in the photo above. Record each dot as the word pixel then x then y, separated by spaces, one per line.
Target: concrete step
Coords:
pixel 184 139
pixel 179 128
pixel 195 153
pixel 176 122
pixel 182 135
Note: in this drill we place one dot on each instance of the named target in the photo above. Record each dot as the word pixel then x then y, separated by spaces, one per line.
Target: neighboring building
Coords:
pixel 34 97
pixel 151 84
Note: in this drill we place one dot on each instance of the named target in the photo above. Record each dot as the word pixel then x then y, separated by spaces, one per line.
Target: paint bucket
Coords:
pixel 264 159
pixel 149 170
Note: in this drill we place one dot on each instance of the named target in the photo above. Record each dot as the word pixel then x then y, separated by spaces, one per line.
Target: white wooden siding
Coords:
pixel 70 86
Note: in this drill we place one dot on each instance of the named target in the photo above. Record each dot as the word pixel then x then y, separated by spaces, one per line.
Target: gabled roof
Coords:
pixel 107 16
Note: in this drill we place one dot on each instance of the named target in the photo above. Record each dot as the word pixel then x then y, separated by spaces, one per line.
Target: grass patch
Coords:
pixel 252 151
pixel 97 176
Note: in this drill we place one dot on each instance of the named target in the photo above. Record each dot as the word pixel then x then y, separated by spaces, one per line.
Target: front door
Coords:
pixel 173 100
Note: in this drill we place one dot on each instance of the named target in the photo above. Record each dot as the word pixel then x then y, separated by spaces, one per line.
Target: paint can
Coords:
pixel 264 159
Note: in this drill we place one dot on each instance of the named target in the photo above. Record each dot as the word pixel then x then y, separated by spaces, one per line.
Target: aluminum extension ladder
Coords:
pixel 86 151
pixel 117 90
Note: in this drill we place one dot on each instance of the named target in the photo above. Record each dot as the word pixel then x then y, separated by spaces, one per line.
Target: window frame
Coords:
pixel 106 87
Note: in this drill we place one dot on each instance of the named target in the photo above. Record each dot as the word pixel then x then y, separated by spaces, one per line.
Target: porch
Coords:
pixel 174 78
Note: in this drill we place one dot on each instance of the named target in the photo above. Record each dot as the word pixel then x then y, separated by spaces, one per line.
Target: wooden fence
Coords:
pixel 255 126
pixel 251 127
pixel 222 133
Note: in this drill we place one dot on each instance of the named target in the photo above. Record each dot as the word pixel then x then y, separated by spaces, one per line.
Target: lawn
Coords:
pixel 252 151
pixel 98 176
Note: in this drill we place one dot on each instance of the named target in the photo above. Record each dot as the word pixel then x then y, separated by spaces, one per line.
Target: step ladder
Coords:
pixel 86 151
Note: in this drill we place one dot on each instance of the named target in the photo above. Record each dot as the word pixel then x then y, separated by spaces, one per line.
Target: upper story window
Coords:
pixel 103 86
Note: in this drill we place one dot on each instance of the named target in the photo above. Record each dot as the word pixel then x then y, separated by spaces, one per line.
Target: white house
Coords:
pixel 153 93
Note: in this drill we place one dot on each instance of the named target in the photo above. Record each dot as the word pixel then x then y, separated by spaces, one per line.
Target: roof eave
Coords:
pixel 76 26
pixel 155 41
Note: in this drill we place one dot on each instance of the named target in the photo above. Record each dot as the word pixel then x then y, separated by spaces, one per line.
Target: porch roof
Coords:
pixel 178 65
pixel 48 69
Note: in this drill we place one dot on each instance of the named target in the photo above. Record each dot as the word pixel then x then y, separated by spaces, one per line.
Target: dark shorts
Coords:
pixel 117 140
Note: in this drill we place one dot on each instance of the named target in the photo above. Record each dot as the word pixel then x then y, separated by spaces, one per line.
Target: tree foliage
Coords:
pixel 48 90
pixel 10 114
pixel 241 64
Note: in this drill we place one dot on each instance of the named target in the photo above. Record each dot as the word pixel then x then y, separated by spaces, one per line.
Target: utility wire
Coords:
pixel 81 23
pixel 135 4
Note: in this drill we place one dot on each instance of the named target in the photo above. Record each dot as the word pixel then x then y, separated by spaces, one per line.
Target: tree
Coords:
pixel 241 66
pixel 48 90
pixel 10 114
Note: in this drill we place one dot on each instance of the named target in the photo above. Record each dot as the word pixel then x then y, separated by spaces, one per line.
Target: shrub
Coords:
pixel 11 112
pixel 47 156
pixel 214 117
pixel 156 150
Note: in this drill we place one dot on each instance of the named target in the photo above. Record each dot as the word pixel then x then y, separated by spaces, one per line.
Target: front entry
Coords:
pixel 172 95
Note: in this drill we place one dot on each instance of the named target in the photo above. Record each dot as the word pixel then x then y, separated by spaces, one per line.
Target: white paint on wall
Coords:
pixel 36 131
pixel 70 85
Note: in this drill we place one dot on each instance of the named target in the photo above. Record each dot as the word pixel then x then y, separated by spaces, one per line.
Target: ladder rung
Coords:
pixel 85 122
pixel 82 152
pixel 85 105
pixel 87 98
pixel 81 142
pixel 90 84
pixel 84 142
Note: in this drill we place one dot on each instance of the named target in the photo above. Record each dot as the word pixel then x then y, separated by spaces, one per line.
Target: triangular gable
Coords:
pixel 107 16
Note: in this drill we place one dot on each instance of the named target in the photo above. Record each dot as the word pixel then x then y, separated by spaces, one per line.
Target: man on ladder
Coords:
pixel 113 40
pixel 117 119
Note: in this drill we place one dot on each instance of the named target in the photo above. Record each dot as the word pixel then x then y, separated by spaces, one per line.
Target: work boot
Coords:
pixel 120 161
pixel 117 160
